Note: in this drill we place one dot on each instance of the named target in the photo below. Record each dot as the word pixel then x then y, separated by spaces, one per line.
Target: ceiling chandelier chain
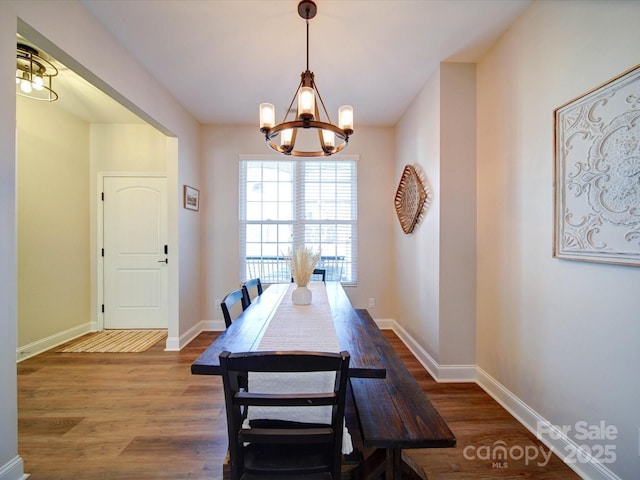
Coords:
pixel 308 114
pixel 307 22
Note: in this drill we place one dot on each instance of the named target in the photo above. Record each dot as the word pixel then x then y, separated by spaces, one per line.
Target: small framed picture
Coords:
pixel 191 198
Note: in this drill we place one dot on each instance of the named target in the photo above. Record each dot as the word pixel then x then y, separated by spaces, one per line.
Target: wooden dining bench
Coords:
pixel 394 414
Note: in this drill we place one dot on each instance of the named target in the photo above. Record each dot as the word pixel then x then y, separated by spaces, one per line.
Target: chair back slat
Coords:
pixel 285 399
pixel 287 435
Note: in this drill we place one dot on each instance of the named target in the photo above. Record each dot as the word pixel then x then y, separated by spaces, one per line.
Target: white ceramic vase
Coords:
pixel 301 296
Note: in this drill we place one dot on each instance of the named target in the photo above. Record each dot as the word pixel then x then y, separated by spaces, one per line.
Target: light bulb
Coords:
pixel 25 86
pixel 285 137
pixel 267 115
pixel 329 138
pixel 38 82
pixel 345 117
pixel 306 102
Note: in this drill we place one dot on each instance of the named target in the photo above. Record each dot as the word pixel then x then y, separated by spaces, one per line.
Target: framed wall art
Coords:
pixel 597 174
pixel 191 198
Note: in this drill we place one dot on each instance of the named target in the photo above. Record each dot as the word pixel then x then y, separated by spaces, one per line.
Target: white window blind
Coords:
pixel 286 203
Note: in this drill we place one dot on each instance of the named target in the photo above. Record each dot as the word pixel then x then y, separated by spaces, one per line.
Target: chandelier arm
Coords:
pixel 295 94
pixel 322 102
pixel 323 146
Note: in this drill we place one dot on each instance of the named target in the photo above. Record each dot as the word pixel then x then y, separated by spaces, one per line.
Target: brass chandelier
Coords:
pixel 282 137
pixel 33 74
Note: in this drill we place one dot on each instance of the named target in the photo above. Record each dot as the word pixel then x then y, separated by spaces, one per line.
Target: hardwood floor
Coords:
pixel 478 422
pixel 143 416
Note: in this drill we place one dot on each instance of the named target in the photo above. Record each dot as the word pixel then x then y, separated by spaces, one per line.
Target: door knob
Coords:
pixel 166 260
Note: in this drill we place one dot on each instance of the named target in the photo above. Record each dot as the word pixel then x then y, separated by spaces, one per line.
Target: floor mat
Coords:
pixel 116 341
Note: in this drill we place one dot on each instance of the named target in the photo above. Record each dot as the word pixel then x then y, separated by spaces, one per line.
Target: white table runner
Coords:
pixel 299 327
pixel 302 327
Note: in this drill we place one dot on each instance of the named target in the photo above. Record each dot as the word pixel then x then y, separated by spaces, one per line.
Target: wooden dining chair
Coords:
pixel 228 302
pixel 276 449
pixel 322 272
pixel 246 290
pixel 317 271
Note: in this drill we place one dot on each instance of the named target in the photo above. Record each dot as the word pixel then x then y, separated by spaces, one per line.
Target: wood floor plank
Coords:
pixel 144 416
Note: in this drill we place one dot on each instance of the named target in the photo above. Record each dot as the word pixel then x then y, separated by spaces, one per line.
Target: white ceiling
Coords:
pixel 221 58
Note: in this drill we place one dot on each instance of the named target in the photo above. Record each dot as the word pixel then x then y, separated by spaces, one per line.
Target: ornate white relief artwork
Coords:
pixel 597 184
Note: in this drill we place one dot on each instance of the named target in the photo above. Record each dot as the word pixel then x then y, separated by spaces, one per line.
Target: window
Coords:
pixel 286 203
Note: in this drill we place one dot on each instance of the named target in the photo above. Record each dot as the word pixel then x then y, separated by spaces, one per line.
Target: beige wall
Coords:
pixel 418 254
pixel 436 262
pixel 457 214
pixel 59 157
pixel 10 461
pixel 562 336
pixel 119 75
pixel 53 221
pixel 221 148
pixel 128 148
pixel 71 32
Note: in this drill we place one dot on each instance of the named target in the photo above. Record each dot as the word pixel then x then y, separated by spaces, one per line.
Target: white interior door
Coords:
pixel 135 252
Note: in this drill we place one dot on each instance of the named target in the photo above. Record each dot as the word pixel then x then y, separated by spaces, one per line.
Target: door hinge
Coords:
pixel 103 196
pixel 103 252
pixel 166 249
pixel 103 308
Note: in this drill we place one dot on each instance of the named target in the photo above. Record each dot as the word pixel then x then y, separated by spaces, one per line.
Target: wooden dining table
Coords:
pixel 394 414
pixel 246 332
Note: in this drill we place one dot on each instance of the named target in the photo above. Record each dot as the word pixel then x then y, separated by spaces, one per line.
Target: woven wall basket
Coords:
pixel 410 198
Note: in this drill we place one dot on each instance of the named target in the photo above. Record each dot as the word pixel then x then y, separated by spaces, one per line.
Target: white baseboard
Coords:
pixel 44 344
pixel 441 373
pixel 385 323
pixel 456 373
pixel 175 344
pixel 13 470
pixel 563 446
pixel 214 326
pixel 172 344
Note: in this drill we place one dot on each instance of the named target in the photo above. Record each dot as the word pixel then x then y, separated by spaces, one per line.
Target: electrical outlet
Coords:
pixel 372 303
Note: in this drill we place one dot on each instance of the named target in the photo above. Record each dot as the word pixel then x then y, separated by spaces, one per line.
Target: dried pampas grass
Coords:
pixel 303 261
